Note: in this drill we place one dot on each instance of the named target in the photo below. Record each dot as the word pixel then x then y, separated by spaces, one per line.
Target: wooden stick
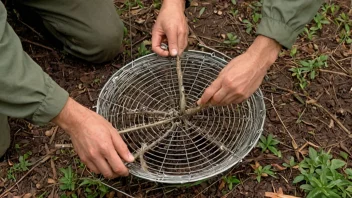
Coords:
pixel 146 147
pixel 147 125
pixel 180 86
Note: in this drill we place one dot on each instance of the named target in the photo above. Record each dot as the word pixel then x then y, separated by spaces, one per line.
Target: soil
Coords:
pixel 306 122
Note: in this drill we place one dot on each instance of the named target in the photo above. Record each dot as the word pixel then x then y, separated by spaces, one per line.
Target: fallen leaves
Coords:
pixel 278 194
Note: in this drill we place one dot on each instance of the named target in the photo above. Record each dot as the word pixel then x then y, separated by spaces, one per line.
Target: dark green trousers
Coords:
pixel 88 29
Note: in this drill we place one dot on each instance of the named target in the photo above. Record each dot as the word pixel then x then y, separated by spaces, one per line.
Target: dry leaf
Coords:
pixel 223 36
pixel 279 194
pixel 255 166
pixel 331 125
pixel 278 167
pixel 28 195
pixel 219 12
pixel 140 21
pixel 51 181
pixel 194 4
pixel 311 101
pixel 50 132
pixel 222 185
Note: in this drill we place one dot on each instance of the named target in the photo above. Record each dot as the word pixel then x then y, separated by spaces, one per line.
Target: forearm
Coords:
pixel 264 49
pixel 25 90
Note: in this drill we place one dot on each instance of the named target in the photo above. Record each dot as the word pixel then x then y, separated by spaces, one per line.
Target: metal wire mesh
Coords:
pixel 203 145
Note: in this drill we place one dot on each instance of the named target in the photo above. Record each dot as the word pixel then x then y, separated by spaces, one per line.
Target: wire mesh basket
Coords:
pixel 179 150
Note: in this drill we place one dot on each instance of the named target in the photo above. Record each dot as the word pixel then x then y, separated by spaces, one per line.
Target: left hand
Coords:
pixel 171 24
pixel 243 75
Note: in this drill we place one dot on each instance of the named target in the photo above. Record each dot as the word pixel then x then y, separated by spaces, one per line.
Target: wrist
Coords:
pixel 71 115
pixel 174 4
pixel 265 50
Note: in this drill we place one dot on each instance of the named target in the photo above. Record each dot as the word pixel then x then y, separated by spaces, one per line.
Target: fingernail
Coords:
pixel 130 157
pixel 198 102
pixel 173 52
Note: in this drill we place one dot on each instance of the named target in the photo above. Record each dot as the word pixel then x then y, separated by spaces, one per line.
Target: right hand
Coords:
pixel 171 24
pixel 95 140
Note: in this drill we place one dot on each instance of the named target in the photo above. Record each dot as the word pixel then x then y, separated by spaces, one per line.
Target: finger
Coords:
pixel 182 40
pixel 116 164
pixel 104 167
pixel 219 96
pixel 157 38
pixel 121 147
pixel 209 92
pixel 172 39
pixel 230 99
pixel 239 100
pixel 92 167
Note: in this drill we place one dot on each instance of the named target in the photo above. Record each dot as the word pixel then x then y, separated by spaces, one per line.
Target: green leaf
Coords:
pixel 349 189
pixel 230 186
pixel 273 150
pixel 315 193
pixel 312 153
pixel 348 171
pixel 334 183
pixel 269 138
pixel 201 12
pixel 298 179
pixel 306 187
pixel 304 63
pixel 233 2
pixel 344 155
pixel 336 163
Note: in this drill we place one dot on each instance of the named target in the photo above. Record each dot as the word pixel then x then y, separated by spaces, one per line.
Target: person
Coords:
pixel 93 31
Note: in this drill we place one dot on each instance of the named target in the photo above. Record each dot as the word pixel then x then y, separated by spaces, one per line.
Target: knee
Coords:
pixel 104 44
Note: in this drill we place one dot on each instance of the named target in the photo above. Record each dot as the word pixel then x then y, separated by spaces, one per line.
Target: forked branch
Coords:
pixel 146 147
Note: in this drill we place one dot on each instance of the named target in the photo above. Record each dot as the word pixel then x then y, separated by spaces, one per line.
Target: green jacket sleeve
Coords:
pixel 284 20
pixel 25 90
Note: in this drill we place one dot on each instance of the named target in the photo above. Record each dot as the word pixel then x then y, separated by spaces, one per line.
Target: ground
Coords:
pixel 319 115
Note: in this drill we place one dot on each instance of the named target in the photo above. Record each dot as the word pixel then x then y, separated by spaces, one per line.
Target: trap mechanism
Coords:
pixel 175 142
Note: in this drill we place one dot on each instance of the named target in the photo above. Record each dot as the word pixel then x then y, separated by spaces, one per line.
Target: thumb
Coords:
pixel 171 35
pixel 121 147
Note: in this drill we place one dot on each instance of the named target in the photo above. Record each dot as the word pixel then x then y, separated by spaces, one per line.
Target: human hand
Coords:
pixel 95 140
pixel 171 24
pixel 243 75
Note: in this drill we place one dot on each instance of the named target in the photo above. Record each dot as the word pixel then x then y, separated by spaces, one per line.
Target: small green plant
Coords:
pixel 311 32
pixel 263 172
pixel 21 166
pixel 231 39
pixel 342 19
pixel 234 12
pixel 345 35
pixel 291 163
pixel 157 4
pixel 309 68
pixel 249 25
pixel 270 143
pixel 142 50
pixel 94 188
pixel 320 20
pixel 323 177
pixel 293 51
pixel 332 8
pixel 69 179
pixel 230 181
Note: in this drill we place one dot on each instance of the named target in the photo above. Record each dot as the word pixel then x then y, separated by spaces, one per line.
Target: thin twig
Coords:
pixel 39 162
pixel 180 86
pixel 134 128
pixel 54 134
pixel 335 72
pixel 294 144
pixel 37 44
pixel 33 30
